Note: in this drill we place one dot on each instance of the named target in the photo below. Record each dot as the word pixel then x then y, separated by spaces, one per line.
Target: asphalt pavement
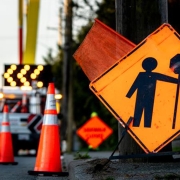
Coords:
pixel 20 171
pixel 25 164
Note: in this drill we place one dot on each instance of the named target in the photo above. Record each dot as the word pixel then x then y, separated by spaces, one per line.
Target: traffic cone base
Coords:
pixel 42 161
pixel 48 160
pixel 6 140
pixel 42 168
pixel 6 147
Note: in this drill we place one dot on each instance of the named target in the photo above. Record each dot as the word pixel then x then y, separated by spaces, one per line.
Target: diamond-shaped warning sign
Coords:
pixel 94 131
pixel 144 85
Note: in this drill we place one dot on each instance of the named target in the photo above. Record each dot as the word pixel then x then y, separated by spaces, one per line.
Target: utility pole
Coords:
pixel 163 4
pixel 126 18
pixel 67 100
pixel 128 145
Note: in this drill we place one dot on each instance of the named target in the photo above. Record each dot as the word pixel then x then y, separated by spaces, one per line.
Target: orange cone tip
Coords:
pixel 51 89
pixel 5 108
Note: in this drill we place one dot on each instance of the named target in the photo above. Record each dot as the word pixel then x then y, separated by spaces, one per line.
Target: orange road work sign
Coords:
pixel 94 132
pixel 144 85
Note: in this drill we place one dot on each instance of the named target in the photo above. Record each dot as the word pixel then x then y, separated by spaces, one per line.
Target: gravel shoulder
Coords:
pixel 116 170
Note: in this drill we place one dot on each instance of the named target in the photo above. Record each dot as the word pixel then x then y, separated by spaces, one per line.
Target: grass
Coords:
pixel 79 155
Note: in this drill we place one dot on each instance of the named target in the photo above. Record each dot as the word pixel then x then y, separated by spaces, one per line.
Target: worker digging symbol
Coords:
pixel 175 66
pixel 145 84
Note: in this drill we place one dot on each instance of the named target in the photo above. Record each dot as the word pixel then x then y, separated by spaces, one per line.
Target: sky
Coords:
pixel 47 38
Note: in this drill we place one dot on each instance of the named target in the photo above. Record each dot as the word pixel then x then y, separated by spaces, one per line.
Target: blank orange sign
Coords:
pixel 144 85
pixel 94 131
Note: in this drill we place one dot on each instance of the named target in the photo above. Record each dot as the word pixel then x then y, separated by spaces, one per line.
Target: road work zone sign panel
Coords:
pixel 144 85
pixel 94 132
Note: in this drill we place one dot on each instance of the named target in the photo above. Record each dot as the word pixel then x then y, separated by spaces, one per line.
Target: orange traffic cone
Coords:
pixel 6 147
pixel 48 160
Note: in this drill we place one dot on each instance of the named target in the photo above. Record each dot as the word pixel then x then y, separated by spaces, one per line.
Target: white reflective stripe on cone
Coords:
pixel 5 117
pixel 5 128
pixel 50 102
pixel 50 119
